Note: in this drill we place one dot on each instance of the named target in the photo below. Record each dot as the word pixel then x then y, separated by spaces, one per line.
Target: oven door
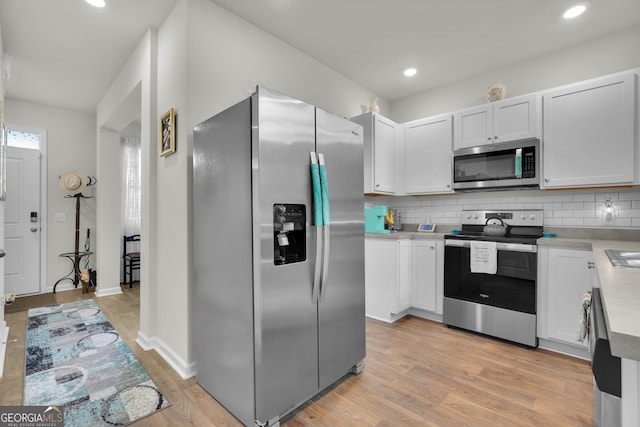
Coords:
pixel 502 305
pixel 513 287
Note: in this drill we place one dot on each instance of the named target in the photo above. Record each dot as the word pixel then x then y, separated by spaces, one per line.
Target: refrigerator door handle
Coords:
pixel 326 220
pixel 317 276
pixel 324 187
pixel 317 218
pixel 325 263
pixel 317 190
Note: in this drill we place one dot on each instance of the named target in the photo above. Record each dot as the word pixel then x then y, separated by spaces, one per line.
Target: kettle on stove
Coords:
pixel 495 227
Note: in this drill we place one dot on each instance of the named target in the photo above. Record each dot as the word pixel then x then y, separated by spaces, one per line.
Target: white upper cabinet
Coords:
pixel 508 120
pixel 589 133
pixel 427 155
pixel 473 126
pixel 380 141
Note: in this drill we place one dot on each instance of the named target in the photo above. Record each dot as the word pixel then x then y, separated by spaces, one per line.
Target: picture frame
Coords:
pixel 167 135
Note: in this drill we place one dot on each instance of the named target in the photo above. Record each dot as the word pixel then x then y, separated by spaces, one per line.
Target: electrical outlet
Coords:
pixel 61 217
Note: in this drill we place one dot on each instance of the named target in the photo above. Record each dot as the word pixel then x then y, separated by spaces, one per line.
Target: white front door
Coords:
pixel 22 221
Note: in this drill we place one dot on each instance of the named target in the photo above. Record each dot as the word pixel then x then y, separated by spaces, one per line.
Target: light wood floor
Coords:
pixel 418 373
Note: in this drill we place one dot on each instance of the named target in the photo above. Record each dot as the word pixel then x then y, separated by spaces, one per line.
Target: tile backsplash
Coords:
pixel 562 208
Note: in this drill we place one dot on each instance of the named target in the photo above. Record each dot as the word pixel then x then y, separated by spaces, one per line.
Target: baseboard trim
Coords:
pixel 100 292
pixel 566 349
pixel 185 370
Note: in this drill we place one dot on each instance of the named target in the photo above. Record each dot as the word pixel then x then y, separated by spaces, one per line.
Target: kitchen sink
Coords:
pixel 624 258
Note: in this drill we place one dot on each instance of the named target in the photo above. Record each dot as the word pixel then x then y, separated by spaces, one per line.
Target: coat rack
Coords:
pixel 76 256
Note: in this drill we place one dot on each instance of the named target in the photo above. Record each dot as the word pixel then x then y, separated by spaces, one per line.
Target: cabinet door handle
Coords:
pixel 591 265
pixel 546 180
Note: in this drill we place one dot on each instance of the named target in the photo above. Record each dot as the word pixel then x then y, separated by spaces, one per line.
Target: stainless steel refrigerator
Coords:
pixel 279 254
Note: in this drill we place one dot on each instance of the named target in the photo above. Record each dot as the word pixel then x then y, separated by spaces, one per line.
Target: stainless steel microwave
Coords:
pixel 497 166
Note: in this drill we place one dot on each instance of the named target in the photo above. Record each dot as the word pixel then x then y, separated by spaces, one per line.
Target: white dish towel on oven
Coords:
pixel 483 257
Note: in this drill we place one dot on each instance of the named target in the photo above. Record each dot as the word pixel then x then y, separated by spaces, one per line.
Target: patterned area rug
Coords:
pixel 76 360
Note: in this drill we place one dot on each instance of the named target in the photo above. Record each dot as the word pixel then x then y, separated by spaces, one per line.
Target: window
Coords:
pixel 23 139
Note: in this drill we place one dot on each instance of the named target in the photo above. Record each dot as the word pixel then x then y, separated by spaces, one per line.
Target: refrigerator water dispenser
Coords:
pixel 289 233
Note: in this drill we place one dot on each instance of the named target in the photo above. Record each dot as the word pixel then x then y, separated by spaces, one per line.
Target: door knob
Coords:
pixel 2 253
pixel 34 229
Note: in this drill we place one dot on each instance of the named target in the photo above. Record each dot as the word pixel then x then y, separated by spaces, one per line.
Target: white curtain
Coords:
pixel 131 189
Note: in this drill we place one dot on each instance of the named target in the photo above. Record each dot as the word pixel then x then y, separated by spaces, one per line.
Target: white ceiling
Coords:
pixel 66 53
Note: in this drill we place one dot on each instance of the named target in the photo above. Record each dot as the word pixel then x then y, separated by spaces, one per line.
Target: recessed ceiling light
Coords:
pixel 410 72
pixel 96 3
pixel 575 10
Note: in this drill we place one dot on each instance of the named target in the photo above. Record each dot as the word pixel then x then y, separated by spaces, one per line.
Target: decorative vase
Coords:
pixel 496 92
pixel 373 107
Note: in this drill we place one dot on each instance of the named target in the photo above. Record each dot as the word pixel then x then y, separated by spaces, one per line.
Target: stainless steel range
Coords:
pixel 490 274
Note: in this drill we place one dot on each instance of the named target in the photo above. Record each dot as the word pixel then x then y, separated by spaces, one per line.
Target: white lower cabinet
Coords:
pixel 564 275
pixel 402 300
pixel 387 286
pixel 401 274
pixel 427 275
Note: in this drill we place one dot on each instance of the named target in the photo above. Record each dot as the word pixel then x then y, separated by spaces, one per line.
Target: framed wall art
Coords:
pixel 168 133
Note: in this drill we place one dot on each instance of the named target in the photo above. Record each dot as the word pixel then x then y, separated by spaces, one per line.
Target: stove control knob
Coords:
pixel 532 216
pixel 475 216
pixel 468 216
pixel 523 216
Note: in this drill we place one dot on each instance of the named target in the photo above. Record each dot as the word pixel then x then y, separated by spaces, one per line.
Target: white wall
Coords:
pixel 174 266
pixel 228 57
pixel 133 88
pixel 71 145
pixel 4 331
pixel 607 55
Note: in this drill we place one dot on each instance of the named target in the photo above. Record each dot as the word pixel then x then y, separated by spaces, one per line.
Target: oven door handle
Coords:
pixel 514 247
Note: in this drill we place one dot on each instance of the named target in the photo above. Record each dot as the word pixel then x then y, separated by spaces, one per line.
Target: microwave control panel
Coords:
pixel 529 162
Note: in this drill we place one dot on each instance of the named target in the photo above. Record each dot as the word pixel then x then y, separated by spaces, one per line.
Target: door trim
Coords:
pixel 43 198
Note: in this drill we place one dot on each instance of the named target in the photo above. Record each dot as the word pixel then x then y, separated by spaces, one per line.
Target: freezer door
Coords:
pixel 223 280
pixel 341 307
pixel 286 340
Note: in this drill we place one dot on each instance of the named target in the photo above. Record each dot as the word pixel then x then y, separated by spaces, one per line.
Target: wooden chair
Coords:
pixel 130 260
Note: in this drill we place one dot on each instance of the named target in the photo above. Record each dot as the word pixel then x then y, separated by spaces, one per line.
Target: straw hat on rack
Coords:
pixel 73 183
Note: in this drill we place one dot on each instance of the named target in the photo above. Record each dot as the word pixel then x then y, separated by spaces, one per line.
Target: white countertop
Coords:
pixel 620 291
